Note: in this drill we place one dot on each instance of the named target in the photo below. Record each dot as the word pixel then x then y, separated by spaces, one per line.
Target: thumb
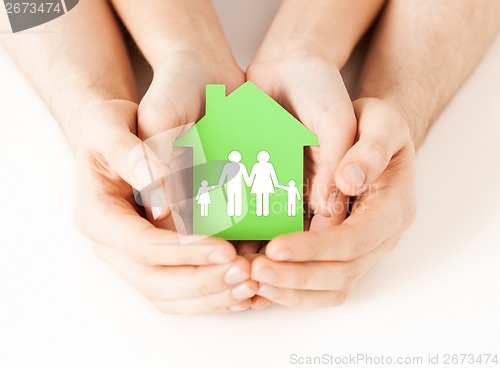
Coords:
pixel 111 126
pixel 336 134
pixel 382 132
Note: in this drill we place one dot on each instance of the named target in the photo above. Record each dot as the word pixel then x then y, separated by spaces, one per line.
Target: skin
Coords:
pixel 411 71
pixel 96 105
pixel 403 88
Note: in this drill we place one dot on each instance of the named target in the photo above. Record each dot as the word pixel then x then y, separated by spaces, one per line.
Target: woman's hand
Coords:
pixel 318 268
pixel 180 274
pixel 177 97
pixel 310 86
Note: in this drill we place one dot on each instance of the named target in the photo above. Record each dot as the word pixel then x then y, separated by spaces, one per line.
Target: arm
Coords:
pixel 186 47
pixel 281 187
pixel 79 65
pixel 298 64
pixel 403 88
pixel 184 43
pixel 329 28
pixel 422 52
pixel 74 66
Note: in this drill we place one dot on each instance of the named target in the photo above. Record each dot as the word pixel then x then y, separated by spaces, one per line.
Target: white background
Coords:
pixel 438 292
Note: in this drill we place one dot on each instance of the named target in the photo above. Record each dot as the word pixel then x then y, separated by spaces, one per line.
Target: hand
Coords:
pixel 180 274
pixel 177 97
pixel 310 86
pixel 318 268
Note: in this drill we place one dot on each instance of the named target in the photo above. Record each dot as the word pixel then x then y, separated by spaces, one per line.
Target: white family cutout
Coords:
pixel 262 180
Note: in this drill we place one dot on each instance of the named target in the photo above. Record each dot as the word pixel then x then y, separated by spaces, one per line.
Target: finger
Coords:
pixel 223 302
pixel 318 275
pixel 333 121
pixel 302 298
pixel 120 151
pixel 125 153
pixel 260 303
pixel 176 96
pixel 382 133
pixel 378 215
pixel 112 220
pixel 182 282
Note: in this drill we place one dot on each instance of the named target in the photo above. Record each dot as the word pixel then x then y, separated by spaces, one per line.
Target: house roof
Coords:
pixel 248 113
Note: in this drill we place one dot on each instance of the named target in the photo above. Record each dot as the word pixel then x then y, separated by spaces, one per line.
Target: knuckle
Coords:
pixel 141 250
pixel 400 126
pixel 140 253
pixel 147 286
pixel 301 280
pixel 355 246
pixel 213 304
pixel 186 255
pixel 348 275
pixel 376 152
pixel 293 299
pixel 340 297
pixel 205 288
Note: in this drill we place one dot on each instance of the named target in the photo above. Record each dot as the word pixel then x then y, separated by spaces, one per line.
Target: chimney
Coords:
pixel 215 95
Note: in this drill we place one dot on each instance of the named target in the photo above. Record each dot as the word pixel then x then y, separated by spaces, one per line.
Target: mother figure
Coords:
pixel 263 180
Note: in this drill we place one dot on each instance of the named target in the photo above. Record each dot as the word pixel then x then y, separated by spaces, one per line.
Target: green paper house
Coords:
pixel 248 154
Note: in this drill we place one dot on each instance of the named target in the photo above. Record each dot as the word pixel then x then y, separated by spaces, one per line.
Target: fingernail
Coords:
pixel 235 275
pixel 237 308
pixel 354 174
pixel 242 291
pixel 268 291
pixel 143 174
pixel 267 275
pixel 282 255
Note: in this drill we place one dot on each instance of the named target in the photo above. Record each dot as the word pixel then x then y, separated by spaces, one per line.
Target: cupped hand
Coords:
pixel 180 274
pixel 319 267
pixel 310 87
pixel 175 98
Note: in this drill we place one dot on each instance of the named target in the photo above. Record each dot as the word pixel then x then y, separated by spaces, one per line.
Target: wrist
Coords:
pixel 299 46
pixel 197 56
pixel 163 28
pixel 390 108
pixel 327 28
pixel 79 136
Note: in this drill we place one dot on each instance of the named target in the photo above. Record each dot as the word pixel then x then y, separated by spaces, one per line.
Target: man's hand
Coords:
pixel 318 268
pixel 180 274
pixel 185 56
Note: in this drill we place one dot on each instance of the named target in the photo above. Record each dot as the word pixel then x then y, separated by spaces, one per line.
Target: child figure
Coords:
pixel 203 197
pixel 293 195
